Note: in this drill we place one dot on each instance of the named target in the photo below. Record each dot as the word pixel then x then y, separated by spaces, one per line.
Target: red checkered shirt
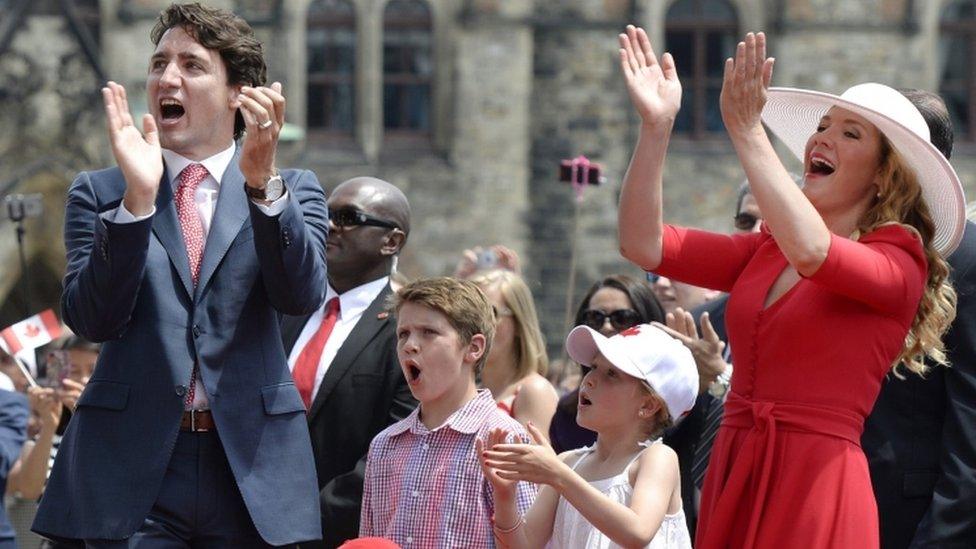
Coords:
pixel 425 488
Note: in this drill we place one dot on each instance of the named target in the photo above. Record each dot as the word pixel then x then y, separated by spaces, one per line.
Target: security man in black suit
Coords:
pixel 357 388
pixel 920 439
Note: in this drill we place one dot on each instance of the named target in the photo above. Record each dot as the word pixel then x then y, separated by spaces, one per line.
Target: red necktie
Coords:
pixel 192 227
pixel 308 361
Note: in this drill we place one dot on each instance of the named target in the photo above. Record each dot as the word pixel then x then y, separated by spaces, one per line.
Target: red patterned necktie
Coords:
pixel 307 363
pixel 192 227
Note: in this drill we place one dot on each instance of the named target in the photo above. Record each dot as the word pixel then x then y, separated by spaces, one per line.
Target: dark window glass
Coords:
pixel 957 82
pixel 407 66
pixel 331 55
pixel 700 34
pixel 90 18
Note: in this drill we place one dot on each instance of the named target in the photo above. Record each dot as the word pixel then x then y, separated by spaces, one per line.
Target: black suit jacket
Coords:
pixel 362 392
pixel 684 437
pixel 920 439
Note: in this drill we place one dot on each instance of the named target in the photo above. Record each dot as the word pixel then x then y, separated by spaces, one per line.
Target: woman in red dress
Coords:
pixel 846 279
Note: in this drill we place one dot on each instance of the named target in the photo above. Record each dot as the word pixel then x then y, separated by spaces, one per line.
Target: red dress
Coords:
pixel 787 469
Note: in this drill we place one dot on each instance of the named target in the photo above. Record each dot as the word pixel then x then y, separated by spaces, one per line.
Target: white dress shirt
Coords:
pixel 205 199
pixel 352 305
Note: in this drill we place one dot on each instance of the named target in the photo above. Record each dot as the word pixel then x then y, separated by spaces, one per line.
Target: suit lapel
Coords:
pixel 228 218
pixel 367 327
pixel 166 227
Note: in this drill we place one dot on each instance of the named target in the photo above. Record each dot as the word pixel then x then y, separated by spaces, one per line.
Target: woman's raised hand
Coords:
pixel 653 87
pixel 745 83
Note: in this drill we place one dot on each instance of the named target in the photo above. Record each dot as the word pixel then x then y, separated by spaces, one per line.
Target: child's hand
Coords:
pixel 535 462
pixel 503 487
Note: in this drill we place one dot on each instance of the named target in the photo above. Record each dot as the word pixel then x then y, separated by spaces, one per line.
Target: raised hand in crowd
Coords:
pixel 707 348
pixel 70 392
pixel 263 109
pixel 29 473
pixel 45 403
pixel 493 257
pixel 653 87
pixel 744 85
pixel 138 156
pixel 655 92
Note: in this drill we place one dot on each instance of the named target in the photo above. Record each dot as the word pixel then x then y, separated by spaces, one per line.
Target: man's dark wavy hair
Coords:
pixel 224 32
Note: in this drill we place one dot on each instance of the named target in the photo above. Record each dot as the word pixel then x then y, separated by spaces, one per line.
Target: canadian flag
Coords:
pixel 30 333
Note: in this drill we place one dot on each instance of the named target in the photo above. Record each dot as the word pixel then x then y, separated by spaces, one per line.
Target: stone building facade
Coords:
pixel 508 88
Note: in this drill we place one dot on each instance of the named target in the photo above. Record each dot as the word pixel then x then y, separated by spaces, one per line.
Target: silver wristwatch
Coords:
pixel 273 189
pixel 720 386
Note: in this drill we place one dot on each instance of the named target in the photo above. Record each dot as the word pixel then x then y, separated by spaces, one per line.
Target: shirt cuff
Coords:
pixel 121 215
pixel 275 208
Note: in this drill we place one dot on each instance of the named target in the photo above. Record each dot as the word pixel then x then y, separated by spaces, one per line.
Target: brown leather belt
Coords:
pixel 197 421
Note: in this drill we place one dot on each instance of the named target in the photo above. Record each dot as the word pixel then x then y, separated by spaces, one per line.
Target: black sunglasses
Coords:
pixel 745 221
pixel 348 217
pixel 620 319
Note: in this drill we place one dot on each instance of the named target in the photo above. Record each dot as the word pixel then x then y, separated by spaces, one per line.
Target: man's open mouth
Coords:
pixel 171 109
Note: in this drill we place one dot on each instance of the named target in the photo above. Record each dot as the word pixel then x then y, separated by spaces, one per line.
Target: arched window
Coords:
pixel 700 34
pixel 957 75
pixel 331 55
pixel 408 67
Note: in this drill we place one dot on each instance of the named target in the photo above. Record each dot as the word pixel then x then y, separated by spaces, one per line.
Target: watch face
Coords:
pixel 275 188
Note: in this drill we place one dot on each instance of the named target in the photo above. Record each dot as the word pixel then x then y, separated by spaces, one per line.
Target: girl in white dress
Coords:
pixel 622 491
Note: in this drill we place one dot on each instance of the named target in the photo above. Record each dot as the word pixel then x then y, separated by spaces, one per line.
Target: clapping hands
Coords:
pixel 653 87
pixel 744 85
pixel 505 464
pixel 138 156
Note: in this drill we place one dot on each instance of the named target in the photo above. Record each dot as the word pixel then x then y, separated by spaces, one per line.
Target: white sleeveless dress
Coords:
pixel 571 530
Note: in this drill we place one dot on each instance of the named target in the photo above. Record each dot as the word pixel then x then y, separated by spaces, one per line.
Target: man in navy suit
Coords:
pixel 190 431
pixel 920 439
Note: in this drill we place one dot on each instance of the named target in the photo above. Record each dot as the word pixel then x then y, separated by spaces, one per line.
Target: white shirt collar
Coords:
pixel 216 165
pixel 356 300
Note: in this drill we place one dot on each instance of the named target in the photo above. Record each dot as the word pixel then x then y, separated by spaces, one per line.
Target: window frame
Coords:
pixel 408 138
pixel 340 138
pixel 700 82
pixel 967 31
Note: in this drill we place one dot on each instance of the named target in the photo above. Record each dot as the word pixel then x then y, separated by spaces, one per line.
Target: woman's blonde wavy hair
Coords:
pixel 900 201
pixel 530 347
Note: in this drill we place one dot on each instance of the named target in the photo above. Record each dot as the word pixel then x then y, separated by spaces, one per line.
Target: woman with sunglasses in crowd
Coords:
pixel 610 306
pixel 846 280
pixel 517 359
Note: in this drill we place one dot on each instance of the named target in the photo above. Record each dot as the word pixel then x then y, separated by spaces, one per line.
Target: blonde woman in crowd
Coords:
pixel 517 360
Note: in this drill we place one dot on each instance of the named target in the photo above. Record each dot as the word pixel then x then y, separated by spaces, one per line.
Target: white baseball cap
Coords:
pixel 647 353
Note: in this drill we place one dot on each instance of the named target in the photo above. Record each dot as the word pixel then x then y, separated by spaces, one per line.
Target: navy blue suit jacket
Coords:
pixel 13 431
pixel 920 439
pixel 129 285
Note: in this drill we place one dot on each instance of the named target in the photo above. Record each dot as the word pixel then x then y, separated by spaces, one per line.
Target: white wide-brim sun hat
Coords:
pixel 793 115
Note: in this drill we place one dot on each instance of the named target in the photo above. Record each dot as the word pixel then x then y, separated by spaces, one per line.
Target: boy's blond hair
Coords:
pixel 462 302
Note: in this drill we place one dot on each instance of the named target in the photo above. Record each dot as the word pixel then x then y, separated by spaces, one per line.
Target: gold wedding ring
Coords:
pixel 265 125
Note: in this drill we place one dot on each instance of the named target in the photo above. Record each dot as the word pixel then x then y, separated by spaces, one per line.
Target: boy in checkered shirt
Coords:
pixel 424 485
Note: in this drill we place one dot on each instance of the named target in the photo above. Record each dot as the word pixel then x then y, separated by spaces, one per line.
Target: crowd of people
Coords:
pixel 250 369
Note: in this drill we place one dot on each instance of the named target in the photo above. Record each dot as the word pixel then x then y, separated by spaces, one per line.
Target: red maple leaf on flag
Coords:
pixel 632 331
pixel 31 330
